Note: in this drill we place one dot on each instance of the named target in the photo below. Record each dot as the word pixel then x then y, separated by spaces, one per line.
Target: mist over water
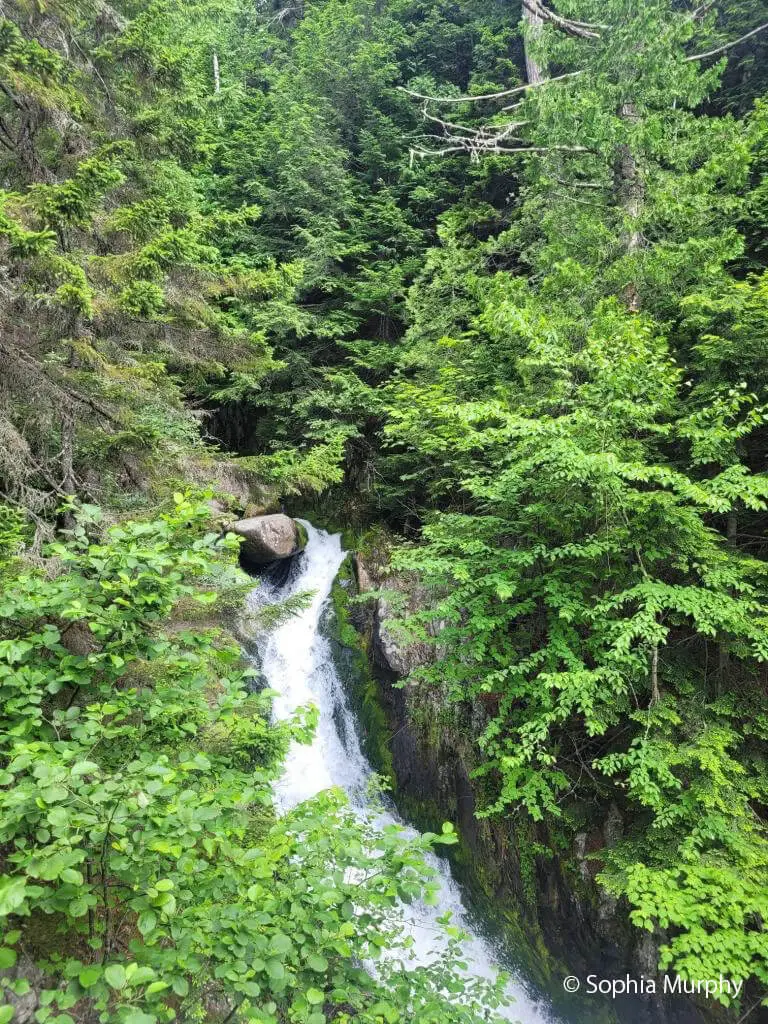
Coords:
pixel 297 663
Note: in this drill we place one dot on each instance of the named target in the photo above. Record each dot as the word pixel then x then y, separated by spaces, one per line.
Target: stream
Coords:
pixel 297 663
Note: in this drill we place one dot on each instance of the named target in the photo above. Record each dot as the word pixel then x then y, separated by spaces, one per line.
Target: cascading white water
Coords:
pixel 297 663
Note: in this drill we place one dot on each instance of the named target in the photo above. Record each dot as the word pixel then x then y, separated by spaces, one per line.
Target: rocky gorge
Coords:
pixel 535 890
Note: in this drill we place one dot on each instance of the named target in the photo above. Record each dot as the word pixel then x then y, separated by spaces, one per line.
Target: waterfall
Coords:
pixel 296 662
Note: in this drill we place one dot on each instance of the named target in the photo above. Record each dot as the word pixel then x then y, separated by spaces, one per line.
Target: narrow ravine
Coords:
pixel 296 662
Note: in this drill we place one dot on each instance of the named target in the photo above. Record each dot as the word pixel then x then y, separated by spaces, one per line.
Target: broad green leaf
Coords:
pixel 115 976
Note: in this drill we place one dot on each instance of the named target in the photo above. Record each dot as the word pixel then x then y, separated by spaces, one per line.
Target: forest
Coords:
pixel 484 285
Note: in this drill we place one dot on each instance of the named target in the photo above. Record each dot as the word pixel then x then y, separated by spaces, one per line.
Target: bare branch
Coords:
pixel 728 46
pixel 38 369
pixel 591 24
pixel 12 97
pixel 492 150
pixel 570 27
pixel 9 141
pixel 491 95
pixel 552 149
pixel 655 694
pixel 421 153
pixel 506 128
pixel 582 184
pixel 581 202
pixel 216 73
pixel 484 138
pixel 283 15
pixel 702 10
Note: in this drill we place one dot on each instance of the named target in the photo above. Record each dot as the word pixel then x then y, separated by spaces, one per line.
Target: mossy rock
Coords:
pixel 350 656
pixel 303 536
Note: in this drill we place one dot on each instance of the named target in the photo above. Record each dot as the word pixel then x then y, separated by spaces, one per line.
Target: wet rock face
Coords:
pixel 268 539
pixel 551 903
pixel 392 649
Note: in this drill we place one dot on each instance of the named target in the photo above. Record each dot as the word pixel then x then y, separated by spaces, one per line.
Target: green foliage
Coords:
pixel 142 299
pixel 12 536
pixel 272 616
pixel 76 200
pixel 548 371
pixel 298 471
pixel 586 427
pixel 136 811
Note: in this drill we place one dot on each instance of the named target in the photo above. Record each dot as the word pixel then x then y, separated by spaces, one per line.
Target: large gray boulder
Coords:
pixel 269 538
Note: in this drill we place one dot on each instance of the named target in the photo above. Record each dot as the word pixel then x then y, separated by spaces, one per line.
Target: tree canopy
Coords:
pixel 492 275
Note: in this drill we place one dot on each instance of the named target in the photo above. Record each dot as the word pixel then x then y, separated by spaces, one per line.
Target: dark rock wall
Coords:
pixel 535 889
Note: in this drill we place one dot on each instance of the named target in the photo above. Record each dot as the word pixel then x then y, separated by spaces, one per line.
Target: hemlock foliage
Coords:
pixel 227 254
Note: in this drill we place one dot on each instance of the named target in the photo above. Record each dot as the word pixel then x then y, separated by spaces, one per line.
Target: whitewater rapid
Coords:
pixel 297 663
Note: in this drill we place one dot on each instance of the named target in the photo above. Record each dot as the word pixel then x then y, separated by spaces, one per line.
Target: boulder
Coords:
pixel 269 538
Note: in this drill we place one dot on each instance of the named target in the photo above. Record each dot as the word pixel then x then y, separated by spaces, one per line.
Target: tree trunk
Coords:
pixel 534 22
pixel 655 693
pixel 69 481
pixel 723 659
pixel 630 193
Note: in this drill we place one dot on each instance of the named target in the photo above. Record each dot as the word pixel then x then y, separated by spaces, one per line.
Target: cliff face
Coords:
pixel 535 887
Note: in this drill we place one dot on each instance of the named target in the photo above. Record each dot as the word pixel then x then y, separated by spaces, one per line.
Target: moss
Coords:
pixel 508 915
pixel 350 655
pixel 336 511
pixel 42 935
pixel 303 536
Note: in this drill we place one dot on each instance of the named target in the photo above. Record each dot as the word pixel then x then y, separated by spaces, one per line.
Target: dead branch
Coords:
pixel 506 128
pixel 483 139
pixel 493 150
pixel 582 184
pixel 573 28
pixel 728 46
pixel 700 12
pixel 490 95
pixel 39 370
pixel 12 97
pixel 283 15
pixel 575 199
pixel 512 106
pixel 655 693
pixel 502 94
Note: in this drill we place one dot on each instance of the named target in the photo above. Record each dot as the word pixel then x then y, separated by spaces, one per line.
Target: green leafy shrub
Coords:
pixel 135 810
